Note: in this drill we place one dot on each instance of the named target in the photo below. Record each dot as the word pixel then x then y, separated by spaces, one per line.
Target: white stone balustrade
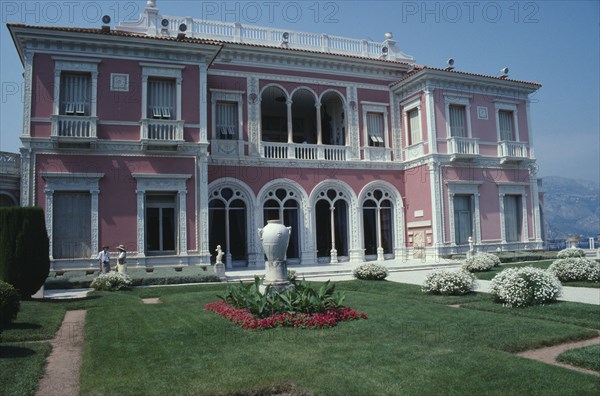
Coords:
pixel 304 151
pixel 511 151
pixel 64 126
pixel 462 147
pixel 150 23
pixel 163 131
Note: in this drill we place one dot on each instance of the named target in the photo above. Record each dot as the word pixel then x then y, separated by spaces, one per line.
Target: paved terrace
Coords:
pixel 411 271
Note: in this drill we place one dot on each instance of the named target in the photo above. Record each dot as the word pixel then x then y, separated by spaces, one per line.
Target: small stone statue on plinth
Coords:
pixel 219 266
pixel 471 248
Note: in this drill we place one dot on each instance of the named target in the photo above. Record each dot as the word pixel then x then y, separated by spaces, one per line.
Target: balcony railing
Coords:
pixel 74 128
pixel 162 132
pixel 462 148
pixel 151 23
pixel 512 151
pixel 10 163
pixel 304 151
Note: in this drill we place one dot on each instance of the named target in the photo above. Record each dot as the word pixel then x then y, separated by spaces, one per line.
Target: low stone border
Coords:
pixel 154 300
pixel 63 365
pixel 548 354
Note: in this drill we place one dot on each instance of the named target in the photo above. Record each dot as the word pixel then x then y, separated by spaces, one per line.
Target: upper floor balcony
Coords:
pixel 311 152
pixel 161 132
pixel 74 129
pixel 463 148
pixel 509 151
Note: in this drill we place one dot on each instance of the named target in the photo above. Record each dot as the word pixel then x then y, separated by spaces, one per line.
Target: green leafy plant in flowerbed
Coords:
pixel 298 306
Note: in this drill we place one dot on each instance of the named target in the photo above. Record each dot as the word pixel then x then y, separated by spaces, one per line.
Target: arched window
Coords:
pixel 283 205
pixel 227 225
pixel 378 224
pixel 333 119
pixel 331 211
pixel 273 109
pixel 304 117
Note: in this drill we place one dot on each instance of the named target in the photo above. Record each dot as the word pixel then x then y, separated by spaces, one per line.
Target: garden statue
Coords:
pixel 219 266
pixel 275 238
pixel 471 247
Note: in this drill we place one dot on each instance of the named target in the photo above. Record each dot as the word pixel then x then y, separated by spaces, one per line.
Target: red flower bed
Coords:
pixel 245 319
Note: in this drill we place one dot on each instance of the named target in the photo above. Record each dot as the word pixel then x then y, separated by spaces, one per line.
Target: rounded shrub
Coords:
pixel 570 252
pixel 481 262
pixel 111 281
pixel 370 271
pixel 9 303
pixel 576 269
pixel 449 282
pixel 525 286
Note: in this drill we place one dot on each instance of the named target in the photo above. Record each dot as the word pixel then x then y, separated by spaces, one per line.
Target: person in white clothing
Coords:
pixel 121 259
pixel 104 260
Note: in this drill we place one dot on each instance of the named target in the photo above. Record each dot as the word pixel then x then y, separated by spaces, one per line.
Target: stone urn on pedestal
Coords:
pixel 275 238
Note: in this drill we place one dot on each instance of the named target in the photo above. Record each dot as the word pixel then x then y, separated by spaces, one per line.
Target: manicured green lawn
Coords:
pixel 412 344
pixel 586 357
pixel 488 275
pixel 21 367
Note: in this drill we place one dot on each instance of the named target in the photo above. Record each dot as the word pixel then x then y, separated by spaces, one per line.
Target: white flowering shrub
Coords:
pixel 481 262
pixel 525 286
pixel 449 282
pixel 370 271
pixel 111 281
pixel 570 252
pixel 576 269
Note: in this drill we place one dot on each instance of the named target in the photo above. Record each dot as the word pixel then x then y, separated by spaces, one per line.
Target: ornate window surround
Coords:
pixel 164 71
pixel 161 182
pixel 76 181
pixel 464 188
pixel 513 188
pixel 407 107
pixel 354 246
pixel 397 214
pixel 461 100
pixel 508 106
pixel 68 64
pixel 372 107
pixel 224 95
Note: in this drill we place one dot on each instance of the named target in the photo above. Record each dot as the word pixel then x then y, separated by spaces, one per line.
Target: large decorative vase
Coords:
pixel 275 238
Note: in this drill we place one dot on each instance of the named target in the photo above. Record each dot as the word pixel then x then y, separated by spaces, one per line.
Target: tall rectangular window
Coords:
pixel 227 120
pixel 71 225
pixel 513 218
pixel 161 99
pixel 75 94
pixel 457 121
pixel 414 126
pixel 505 119
pixel 375 129
pixel 463 218
pixel 161 225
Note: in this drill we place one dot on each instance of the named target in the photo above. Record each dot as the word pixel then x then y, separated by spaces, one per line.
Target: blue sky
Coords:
pixel 556 43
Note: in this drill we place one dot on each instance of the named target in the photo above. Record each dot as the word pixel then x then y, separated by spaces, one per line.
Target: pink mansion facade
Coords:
pixel 174 139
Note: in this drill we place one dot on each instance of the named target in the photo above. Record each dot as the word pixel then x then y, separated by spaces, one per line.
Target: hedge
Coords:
pixel 24 261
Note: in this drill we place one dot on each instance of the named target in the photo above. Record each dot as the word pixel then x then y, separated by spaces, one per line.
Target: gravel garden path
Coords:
pixel 62 366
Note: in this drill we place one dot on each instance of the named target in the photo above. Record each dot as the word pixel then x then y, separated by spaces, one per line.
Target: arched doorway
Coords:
pixel 228 225
pixel 333 119
pixel 378 225
pixel 331 214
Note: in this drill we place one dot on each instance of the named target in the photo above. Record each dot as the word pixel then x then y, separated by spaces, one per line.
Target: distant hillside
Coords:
pixel 571 207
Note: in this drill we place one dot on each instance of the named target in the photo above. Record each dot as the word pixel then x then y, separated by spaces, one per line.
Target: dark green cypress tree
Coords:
pixel 24 261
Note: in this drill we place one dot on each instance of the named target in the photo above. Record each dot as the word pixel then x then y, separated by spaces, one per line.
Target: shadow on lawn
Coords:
pixel 12 352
